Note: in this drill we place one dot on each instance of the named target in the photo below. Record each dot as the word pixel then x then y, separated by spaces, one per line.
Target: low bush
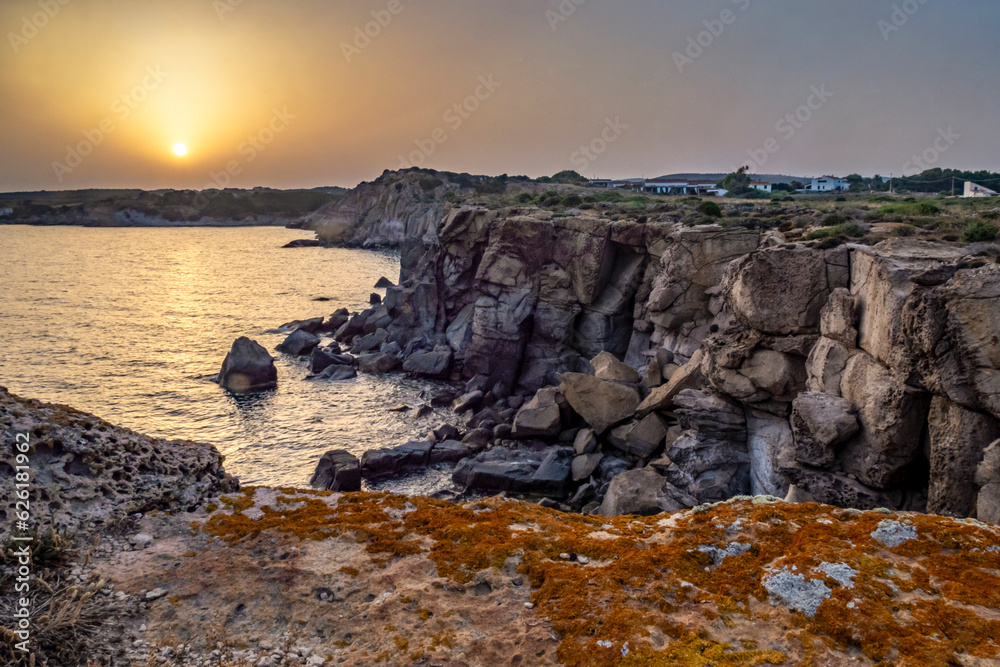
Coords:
pixel 904 230
pixel 710 208
pixel 979 231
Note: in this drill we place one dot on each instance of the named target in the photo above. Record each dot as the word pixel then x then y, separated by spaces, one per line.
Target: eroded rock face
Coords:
pixel 892 417
pixel 248 367
pixel 958 442
pixel 86 470
pixel 821 422
pixel 956 329
pixel 988 480
pixel 782 291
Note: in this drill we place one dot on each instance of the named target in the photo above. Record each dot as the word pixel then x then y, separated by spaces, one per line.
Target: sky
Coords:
pixel 306 93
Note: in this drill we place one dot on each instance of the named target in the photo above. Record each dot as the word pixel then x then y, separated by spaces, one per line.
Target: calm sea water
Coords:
pixel 122 322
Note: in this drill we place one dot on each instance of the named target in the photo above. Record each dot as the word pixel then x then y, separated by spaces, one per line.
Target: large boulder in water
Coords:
pixel 248 367
pixel 338 470
pixel 299 342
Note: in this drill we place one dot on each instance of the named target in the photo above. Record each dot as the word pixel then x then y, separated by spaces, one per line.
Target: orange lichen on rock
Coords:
pixel 684 589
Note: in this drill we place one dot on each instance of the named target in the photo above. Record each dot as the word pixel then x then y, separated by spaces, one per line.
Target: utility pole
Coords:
pixel 952 186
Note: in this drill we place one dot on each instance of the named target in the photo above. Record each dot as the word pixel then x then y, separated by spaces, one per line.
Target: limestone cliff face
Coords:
pixel 395 207
pixel 866 376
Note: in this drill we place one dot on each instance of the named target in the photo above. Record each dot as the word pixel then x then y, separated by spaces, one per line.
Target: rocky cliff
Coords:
pixel 865 376
pixel 395 207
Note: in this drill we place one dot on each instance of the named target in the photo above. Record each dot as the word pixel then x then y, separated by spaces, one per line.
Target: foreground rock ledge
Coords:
pixel 363 579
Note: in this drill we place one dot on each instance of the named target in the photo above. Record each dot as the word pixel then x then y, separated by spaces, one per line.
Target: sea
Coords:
pixel 125 323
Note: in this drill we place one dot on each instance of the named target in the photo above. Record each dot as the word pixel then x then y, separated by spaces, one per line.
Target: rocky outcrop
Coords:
pixel 247 368
pixel 86 474
pixel 388 211
pixel 377 578
pixel 338 470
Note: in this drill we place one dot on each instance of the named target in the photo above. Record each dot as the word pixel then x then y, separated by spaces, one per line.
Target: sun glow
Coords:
pixel 180 150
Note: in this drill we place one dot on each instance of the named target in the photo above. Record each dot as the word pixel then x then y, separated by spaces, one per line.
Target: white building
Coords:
pixel 828 184
pixel 976 190
pixel 760 185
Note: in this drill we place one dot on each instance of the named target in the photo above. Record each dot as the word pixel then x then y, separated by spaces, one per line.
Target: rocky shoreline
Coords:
pixel 702 445
pixel 689 363
pixel 267 577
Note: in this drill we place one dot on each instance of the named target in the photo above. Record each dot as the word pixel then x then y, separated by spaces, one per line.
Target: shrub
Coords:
pixel 525 197
pixel 978 231
pixel 430 183
pixel 904 230
pixel 833 220
pixel 571 201
pixel 710 208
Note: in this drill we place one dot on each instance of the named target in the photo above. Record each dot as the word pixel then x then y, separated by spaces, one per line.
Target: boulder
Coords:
pixel 643 492
pixel 710 458
pixel 299 343
pixel 584 465
pixel 378 363
pixel 377 463
pixel 498 469
pixel 553 475
pixel 821 422
pixel 467 401
pixel 825 366
pixel 322 359
pixel 337 373
pixel 958 442
pixel 892 417
pixel 988 480
pixel 767 437
pixel 585 442
pixel 248 367
pixel 338 470
pixel 540 417
pixel 608 367
pixel 600 403
pixel 446 432
pixel 434 364
pixel 640 438
pixel 449 451
pixel 375 299
pixel 781 291
pixel 688 376
pixel 383 283
pixel 370 341
pixel 314 325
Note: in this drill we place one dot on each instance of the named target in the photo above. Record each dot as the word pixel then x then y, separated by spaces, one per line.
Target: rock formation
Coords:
pixel 248 367
pixel 86 474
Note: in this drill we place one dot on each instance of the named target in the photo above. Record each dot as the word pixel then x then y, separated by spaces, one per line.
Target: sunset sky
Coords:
pixel 292 93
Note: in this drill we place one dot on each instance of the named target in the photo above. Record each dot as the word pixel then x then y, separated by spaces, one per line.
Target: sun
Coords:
pixel 180 150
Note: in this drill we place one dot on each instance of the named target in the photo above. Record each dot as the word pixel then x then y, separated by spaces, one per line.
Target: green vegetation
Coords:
pixel 737 183
pixel 572 201
pixel 710 208
pixel 979 231
pixel 833 220
pixel 567 177
pixel 430 183
pixel 904 230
